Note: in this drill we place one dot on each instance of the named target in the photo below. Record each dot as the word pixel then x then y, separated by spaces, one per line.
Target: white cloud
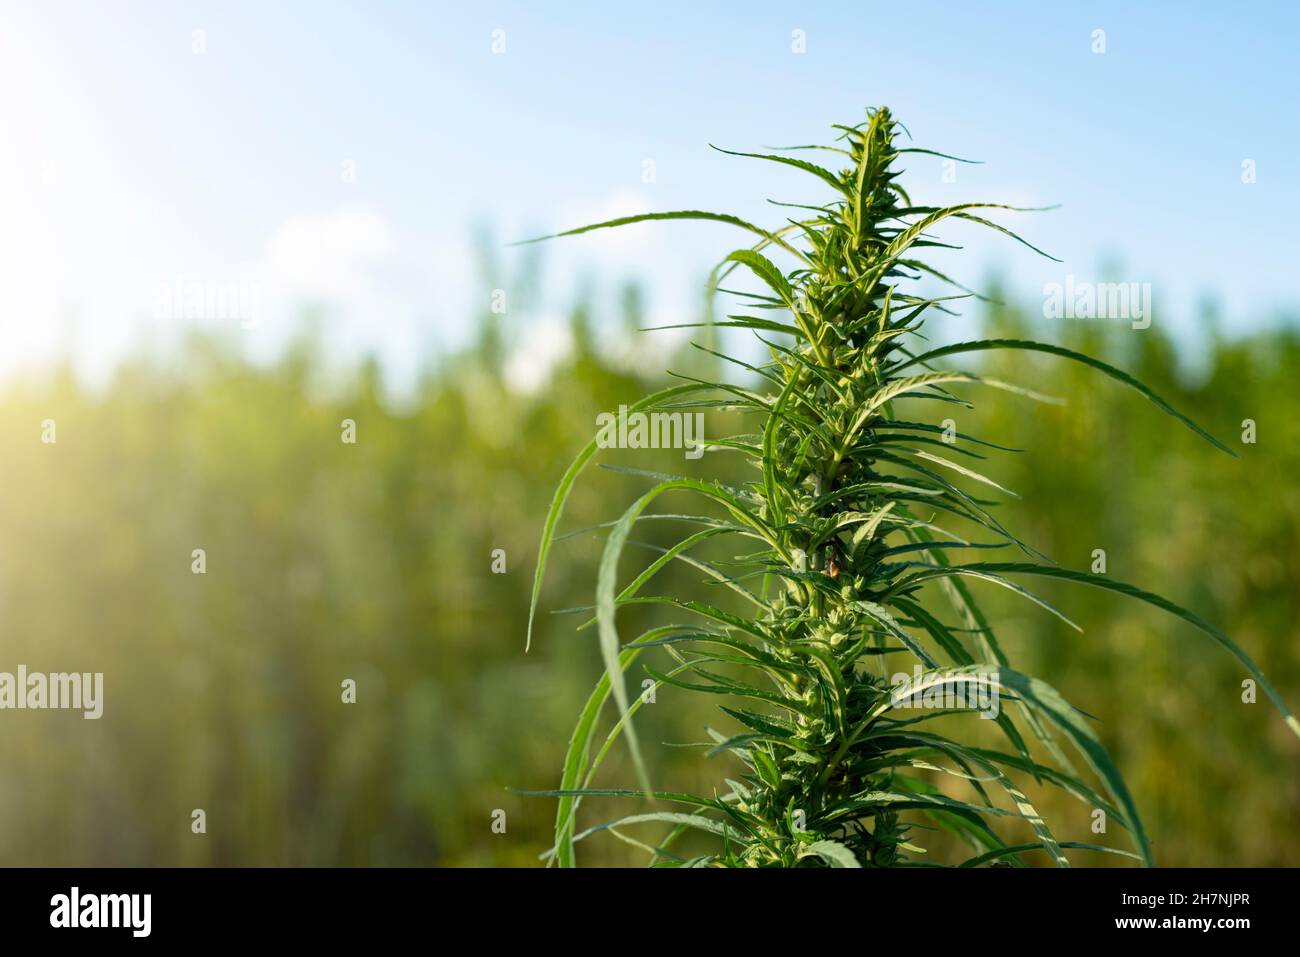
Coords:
pixel 545 343
pixel 328 256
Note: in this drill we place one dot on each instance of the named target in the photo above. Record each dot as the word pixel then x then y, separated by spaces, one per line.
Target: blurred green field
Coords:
pixel 372 561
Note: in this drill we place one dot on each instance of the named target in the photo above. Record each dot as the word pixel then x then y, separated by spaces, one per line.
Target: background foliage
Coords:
pixel 372 561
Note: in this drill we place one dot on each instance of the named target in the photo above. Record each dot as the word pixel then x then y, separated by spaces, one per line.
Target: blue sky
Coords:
pixel 342 154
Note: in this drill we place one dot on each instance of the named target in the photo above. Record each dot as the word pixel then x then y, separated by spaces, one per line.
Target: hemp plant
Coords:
pixel 845 566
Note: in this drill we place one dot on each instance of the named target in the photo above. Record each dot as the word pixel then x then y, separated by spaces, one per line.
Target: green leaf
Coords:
pixel 1001 852
pixel 575 761
pixel 832 852
pixel 766 270
pixel 677 214
pixel 984 569
pixel 562 491
pixel 824 174
pixel 1069 720
pixel 1117 374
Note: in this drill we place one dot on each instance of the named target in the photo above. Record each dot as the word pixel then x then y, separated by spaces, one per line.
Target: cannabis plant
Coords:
pixel 861 626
